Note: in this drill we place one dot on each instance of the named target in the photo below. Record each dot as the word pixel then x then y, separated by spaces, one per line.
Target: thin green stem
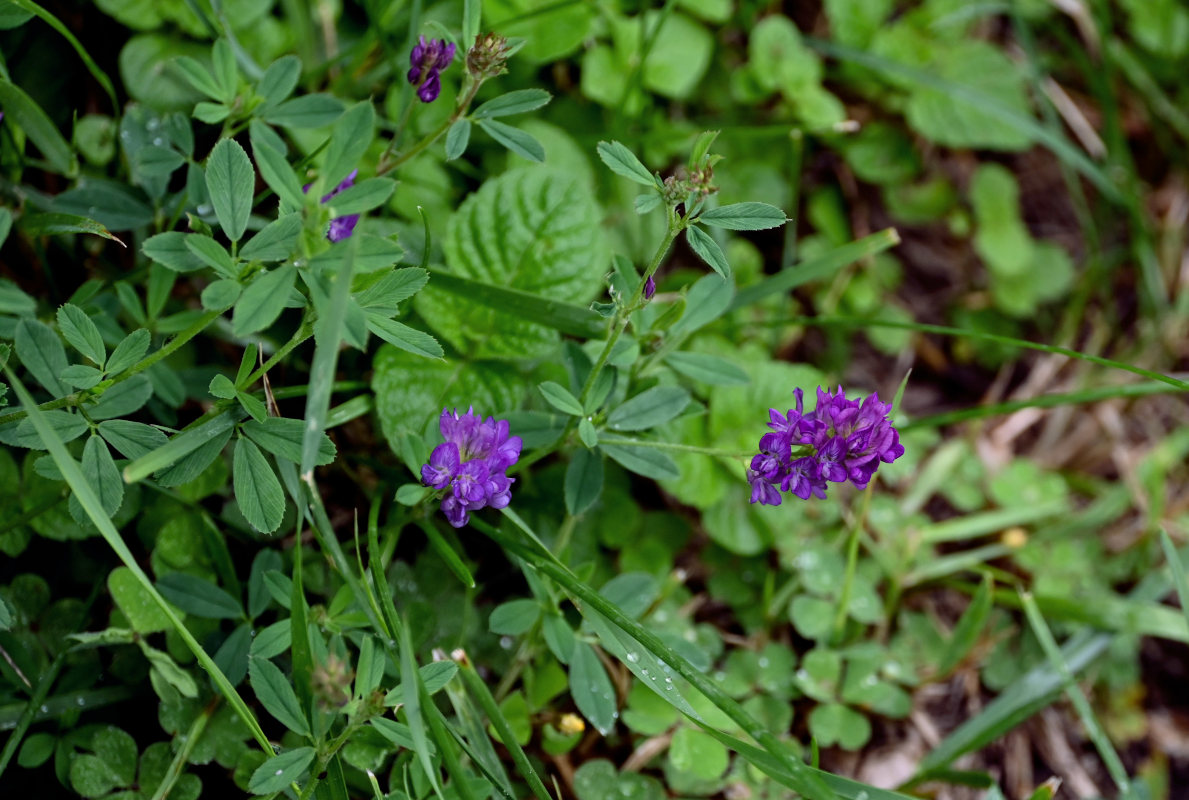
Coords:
pixel 682 448
pixel 386 166
pixel 852 560
pixel 179 759
pixel 167 350
pixel 35 701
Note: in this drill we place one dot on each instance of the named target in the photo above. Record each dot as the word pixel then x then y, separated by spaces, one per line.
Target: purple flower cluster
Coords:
pixel 428 59
pixel 340 227
pixel 840 440
pixel 472 463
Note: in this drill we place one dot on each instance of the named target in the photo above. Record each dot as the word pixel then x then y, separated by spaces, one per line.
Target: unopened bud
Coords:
pixel 649 288
pixel 488 56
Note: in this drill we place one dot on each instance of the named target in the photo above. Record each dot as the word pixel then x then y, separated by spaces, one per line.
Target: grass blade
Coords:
pixel 94 509
pixel 562 316
pixel 1076 696
pixel 1177 568
pixel 817 268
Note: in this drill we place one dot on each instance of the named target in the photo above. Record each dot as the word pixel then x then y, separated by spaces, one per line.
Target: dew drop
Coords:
pixel 633 657
pixel 278 772
pixel 45 709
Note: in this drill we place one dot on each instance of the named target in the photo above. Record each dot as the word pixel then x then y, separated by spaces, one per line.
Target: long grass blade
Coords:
pixel 94 510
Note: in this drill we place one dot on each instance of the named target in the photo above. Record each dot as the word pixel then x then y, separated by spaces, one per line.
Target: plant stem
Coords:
pixel 460 110
pixel 167 350
pixel 852 559
pixel 682 448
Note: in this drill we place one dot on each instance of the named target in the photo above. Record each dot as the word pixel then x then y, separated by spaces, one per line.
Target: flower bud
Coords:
pixel 488 56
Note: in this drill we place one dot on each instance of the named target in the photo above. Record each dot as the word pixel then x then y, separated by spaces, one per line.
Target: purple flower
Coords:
pixel 340 227
pixel 840 440
pixel 471 464
pixel 427 60
pixel 649 288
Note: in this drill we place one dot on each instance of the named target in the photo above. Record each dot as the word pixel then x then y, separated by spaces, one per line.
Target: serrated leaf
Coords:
pixel 750 216
pixel 650 408
pixel 199 597
pixel 519 142
pixel 279 771
pixel 24 112
pixel 123 398
pixel 264 300
pixel 391 289
pixel 282 437
pixel 551 251
pixel 708 250
pixel 560 398
pixel 352 134
pixel 82 334
pixel 457 138
pixel 515 102
pixel 131 439
pixel 129 351
pixel 274 167
pixel 211 253
pixel 257 490
pixel 66 426
pixel 52 223
pixel 230 180
pixel 155 161
pixel 400 335
pixel 275 693
pixel 169 250
pixel 275 242
pixel 584 481
pixel 103 475
pixel 363 196
pixel 622 161
pixel 41 352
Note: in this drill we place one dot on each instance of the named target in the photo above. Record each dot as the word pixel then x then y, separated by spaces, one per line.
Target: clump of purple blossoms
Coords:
pixel 471 463
pixel 838 441
pixel 428 59
pixel 340 227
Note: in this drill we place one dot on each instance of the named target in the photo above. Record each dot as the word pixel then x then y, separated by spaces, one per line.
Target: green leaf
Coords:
pixel 648 409
pixel 550 251
pixel 400 335
pixel 280 79
pixel 230 180
pixel 707 368
pixel 41 352
pixel 622 161
pixel 307 111
pixel 221 295
pixel 114 205
pixel 560 398
pixel 834 723
pixel 91 777
pixel 514 102
pixel 699 754
pixel 514 617
pixel 123 398
pixel 587 433
pixel 352 135
pixel 708 250
pixel 646 461
pixel 226 73
pixel 211 253
pixel 6 619
pixel 363 196
pixel 170 250
pixel 591 688
pixel 707 300
pixel 275 242
pixel 279 771
pixel 275 693
pixel 584 481
pixel 257 490
pixel 23 433
pixel 970 626
pixel 199 77
pixel 22 111
pixel 565 317
pixel 391 289
pixel 748 216
pixel 131 439
pixel 274 167
pixel 13 299
pixel 82 334
pixel 264 300
pixel 457 138
pixel 282 437
pixel 1001 240
pixel 50 224
pixel 81 376
pixel 102 474
pixel 137 604
pixel 199 597
pixel 129 351
pixel 519 142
